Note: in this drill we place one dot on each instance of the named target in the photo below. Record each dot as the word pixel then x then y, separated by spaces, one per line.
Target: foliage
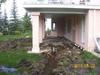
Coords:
pixel 26 22
pixel 14 19
pixel 2 1
pixel 5 24
pixel 10 27
pixel 14 25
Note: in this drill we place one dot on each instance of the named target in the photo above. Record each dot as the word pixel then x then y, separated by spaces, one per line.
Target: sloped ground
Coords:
pixel 15 44
pixel 62 57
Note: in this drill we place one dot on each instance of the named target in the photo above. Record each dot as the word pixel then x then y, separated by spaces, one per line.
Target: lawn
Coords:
pixel 1 73
pixel 89 57
pixel 27 34
pixel 13 57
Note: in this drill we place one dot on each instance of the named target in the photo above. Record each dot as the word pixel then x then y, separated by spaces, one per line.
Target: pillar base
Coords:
pixel 34 51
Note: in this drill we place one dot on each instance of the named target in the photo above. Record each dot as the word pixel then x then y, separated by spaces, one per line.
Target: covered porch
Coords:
pixel 72 23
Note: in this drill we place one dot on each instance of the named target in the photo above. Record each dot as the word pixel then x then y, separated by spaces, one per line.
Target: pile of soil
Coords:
pixel 15 44
pixel 61 58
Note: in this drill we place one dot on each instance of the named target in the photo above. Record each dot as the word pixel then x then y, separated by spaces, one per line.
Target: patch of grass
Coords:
pixel 88 55
pixel 11 58
pixel 17 36
pixel 2 73
pixel 98 61
pixel 92 73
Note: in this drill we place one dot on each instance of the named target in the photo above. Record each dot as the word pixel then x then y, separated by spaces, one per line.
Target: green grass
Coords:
pixel 17 36
pixel 11 58
pixel 2 73
pixel 89 56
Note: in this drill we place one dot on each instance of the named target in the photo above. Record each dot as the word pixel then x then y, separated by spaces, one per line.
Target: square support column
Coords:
pixel 89 43
pixel 35 33
pixel 93 29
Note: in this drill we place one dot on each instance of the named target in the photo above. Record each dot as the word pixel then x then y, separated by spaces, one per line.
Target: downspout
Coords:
pixel 94 35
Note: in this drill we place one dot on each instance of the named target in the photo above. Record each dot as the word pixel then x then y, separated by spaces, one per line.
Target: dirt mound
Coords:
pixel 63 57
pixel 15 44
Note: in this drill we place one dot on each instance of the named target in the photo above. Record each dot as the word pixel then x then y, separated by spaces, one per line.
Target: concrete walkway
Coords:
pixel 96 54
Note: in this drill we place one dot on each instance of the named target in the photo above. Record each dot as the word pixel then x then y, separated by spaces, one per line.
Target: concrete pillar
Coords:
pixel 93 29
pixel 35 33
pixel 90 31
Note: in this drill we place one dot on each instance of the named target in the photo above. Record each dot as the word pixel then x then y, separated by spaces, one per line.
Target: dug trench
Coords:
pixel 58 49
pixel 60 56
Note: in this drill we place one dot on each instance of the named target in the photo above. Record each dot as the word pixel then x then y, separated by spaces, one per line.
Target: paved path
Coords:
pixel 96 54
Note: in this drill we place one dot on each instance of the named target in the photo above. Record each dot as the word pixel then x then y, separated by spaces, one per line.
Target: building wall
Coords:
pixel 92 28
pixel 74 33
pixel 60 22
pixel 77 30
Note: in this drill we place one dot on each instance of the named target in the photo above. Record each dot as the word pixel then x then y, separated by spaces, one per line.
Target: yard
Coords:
pixel 13 56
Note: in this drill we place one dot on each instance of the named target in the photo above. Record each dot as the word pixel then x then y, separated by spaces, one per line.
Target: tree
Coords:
pixel 1 20
pixel 27 23
pixel 14 19
pixel 1 1
pixel 5 24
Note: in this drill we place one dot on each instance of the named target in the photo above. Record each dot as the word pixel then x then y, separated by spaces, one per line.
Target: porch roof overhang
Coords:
pixel 67 9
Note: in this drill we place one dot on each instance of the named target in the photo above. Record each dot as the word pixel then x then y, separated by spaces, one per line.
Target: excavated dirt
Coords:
pixel 59 42
pixel 15 44
pixel 60 57
pixel 60 50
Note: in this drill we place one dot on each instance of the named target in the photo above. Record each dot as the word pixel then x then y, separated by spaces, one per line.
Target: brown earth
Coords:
pixel 15 44
pixel 61 58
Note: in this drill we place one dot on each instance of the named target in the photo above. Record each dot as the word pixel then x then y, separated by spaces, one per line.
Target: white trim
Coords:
pixel 62 6
pixel 63 12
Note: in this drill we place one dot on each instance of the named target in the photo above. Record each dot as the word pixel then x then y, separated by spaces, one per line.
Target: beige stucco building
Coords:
pixel 77 20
